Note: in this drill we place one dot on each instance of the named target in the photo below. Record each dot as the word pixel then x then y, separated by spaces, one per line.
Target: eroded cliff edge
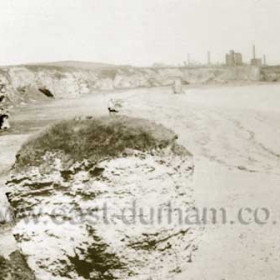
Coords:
pixel 91 200
pixel 32 82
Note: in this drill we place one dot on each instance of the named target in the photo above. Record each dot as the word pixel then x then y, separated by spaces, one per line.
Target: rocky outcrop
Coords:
pixel 15 268
pixel 115 218
pixel 23 83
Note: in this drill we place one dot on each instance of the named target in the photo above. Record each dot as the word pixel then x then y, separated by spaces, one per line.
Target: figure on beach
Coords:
pixel 4 119
pixel 114 106
pixel 4 114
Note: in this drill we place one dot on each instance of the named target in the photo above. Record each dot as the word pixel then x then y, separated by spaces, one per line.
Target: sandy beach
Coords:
pixel 233 133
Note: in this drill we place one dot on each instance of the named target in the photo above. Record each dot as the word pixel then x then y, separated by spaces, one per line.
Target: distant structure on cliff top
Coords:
pixel 255 61
pixel 233 58
pixel 264 60
pixel 209 58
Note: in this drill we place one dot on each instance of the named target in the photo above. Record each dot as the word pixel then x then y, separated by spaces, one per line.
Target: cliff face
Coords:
pixel 29 82
pixel 109 218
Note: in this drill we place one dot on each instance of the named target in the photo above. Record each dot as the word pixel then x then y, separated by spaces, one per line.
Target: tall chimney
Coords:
pixel 209 58
pixel 254 52
pixel 264 60
pixel 189 59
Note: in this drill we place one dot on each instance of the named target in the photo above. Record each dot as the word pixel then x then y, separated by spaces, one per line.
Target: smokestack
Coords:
pixel 189 59
pixel 264 60
pixel 254 52
pixel 209 58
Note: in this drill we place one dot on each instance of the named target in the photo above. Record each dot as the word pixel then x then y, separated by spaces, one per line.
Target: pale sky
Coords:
pixel 138 32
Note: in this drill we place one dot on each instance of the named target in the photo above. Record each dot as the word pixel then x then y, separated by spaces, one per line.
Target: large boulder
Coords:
pixel 100 205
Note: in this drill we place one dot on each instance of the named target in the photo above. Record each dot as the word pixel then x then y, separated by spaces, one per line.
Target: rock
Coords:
pixel 177 86
pixel 15 268
pixel 63 216
pixel 106 219
pixel 104 84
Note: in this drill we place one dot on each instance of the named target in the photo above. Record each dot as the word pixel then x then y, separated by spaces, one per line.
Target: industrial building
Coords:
pixel 234 59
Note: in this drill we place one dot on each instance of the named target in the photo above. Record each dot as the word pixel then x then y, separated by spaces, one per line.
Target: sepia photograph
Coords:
pixel 139 140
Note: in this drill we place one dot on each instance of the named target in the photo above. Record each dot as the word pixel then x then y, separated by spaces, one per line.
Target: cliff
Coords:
pixel 33 82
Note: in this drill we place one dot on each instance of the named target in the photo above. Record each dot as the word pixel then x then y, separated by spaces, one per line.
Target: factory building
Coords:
pixel 233 58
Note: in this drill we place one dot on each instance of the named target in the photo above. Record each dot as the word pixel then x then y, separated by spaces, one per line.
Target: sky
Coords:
pixel 137 32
